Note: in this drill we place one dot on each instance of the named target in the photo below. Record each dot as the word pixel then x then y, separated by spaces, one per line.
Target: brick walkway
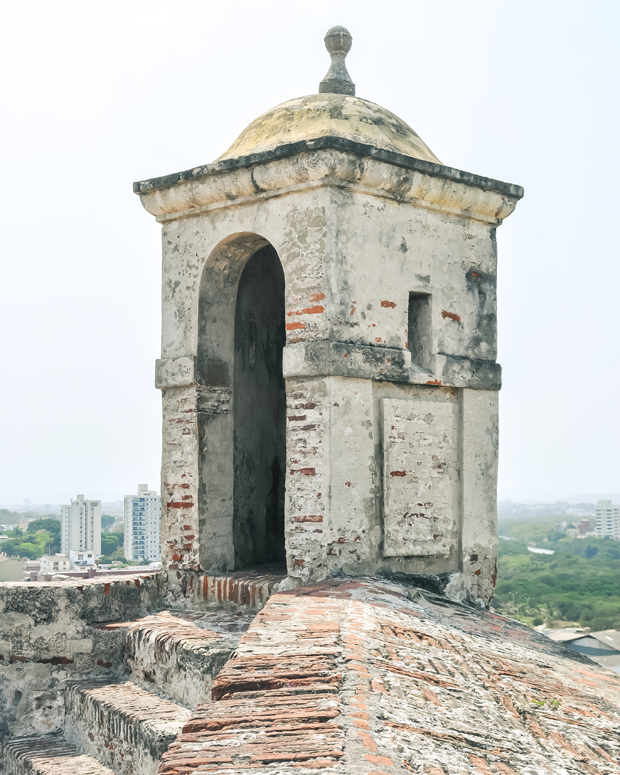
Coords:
pixel 367 677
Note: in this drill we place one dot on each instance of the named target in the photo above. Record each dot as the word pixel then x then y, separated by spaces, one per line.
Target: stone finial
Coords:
pixel 338 42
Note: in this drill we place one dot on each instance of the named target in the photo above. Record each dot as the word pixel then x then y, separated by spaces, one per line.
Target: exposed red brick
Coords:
pixel 503 769
pixel 390 304
pixel 480 765
pixel 451 316
pixel 307 311
pixel 367 741
pixel 431 696
pixel 383 760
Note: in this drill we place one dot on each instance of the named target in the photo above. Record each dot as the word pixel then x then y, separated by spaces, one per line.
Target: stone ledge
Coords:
pixel 80 583
pixel 48 755
pixel 122 725
pixel 335 143
pixel 329 162
pixel 386 364
pixel 175 372
pixel 340 359
pixel 177 654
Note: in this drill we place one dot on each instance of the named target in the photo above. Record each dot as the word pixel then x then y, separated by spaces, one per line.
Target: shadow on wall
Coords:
pixel 259 411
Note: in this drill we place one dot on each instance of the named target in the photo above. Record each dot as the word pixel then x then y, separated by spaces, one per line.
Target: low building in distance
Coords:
pixel 81 526
pixel 602 647
pixel 607 520
pixel 11 568
pixel 584 527
pixel 142 518
pixel 54 563
pixel 84 559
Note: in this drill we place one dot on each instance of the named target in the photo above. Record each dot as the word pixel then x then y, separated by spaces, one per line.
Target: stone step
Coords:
pixel 122 725
pixel 49 755
pixel 177 654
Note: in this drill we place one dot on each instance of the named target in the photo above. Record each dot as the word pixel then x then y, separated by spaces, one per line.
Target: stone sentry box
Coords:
pixel 328 364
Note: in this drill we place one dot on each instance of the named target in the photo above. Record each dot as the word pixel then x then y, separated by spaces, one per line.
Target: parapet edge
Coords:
pixel 333 143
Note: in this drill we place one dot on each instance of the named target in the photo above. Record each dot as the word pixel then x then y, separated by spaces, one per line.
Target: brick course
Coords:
pixel 50 755
pixel 122 725
pixel 365 677
pixel 177 654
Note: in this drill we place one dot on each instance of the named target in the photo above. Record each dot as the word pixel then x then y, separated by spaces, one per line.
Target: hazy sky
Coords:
pixel 98 94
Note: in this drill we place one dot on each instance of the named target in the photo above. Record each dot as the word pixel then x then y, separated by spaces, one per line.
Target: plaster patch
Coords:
pixel 419 452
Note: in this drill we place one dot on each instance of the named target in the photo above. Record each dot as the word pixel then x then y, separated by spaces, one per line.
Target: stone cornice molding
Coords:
pixel 328 358
pixel 328 161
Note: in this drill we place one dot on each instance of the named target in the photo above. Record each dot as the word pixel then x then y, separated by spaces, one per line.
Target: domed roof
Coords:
pixel 330 115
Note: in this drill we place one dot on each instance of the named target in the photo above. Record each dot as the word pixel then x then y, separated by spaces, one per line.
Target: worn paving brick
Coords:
pixel 122 725
pixel 177 654
pixel 48 755
pixel 364 677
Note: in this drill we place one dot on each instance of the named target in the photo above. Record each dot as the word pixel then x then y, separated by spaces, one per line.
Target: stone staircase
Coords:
pixel 122 725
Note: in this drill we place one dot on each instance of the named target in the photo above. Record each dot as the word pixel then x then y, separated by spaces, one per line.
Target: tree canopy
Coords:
pixel 579 583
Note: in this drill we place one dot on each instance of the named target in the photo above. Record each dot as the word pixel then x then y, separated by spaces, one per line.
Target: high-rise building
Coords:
pixel 81 526
pixel 142 517
pixel 607 520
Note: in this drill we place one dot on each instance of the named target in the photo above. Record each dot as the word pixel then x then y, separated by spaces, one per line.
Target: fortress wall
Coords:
pixel 51 633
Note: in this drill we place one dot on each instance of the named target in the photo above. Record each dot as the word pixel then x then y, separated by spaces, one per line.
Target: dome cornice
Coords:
pixel 327 161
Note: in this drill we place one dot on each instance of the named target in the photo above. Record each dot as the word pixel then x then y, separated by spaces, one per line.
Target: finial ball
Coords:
pixel 338 39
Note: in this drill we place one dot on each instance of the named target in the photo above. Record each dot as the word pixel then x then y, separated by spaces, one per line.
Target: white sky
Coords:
pixel 98 94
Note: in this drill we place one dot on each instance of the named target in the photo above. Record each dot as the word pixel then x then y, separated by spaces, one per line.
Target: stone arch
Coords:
pixel 242 405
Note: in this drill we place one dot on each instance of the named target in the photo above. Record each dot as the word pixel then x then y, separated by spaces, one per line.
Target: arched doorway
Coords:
pixel 241 411
pixel 259 413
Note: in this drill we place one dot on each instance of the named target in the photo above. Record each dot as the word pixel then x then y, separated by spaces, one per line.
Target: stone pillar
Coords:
pixel 479 480
pixel 331 477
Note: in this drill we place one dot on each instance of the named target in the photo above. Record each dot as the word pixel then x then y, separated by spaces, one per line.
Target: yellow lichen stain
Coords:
pixel 330 115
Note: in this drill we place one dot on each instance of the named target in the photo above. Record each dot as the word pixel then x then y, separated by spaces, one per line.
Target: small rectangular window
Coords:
pixel 419 330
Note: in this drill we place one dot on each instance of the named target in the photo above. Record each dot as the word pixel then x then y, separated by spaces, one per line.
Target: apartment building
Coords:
pixel 607 520
pixel 81 526
pixel 54 563
pixel 142 518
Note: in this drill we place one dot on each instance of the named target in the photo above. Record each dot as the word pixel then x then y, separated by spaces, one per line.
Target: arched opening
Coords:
pixel 259 413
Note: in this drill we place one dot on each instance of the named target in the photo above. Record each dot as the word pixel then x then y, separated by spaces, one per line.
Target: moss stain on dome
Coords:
pixel 330 115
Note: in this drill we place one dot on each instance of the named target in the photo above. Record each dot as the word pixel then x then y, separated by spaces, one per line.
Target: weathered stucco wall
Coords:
pixel 49 637
pixel 360 497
